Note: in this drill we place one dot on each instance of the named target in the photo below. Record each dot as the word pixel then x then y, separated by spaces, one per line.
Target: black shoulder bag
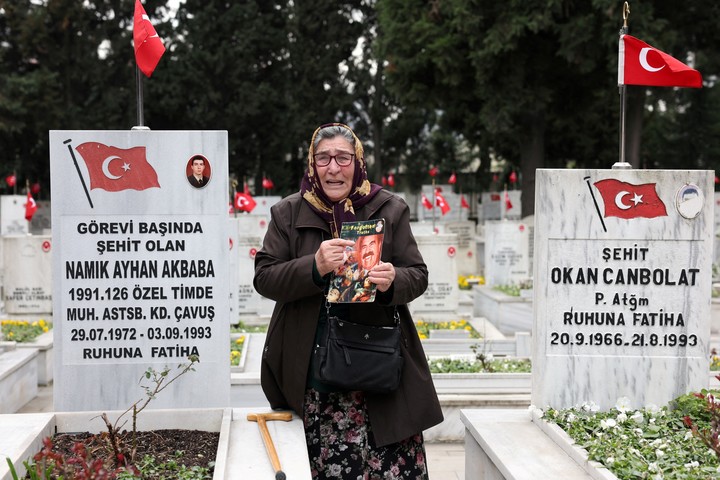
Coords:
pixel 360 357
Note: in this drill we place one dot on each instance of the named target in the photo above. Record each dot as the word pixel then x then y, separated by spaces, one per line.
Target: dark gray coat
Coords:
pixel 283 272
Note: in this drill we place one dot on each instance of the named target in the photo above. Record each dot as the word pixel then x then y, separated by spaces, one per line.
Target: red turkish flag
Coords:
pixel 114 169
pixel 11 180
pixel 626 200
pixel 440 202
pixel 391 180
pixel 641 64
pixel 35 188
pixel 148 46
pixel 433 171
pixel 426 203
pixel 30 207
pixel 508 203
pixel 513 177
pixel 267 184
pixel 452 179
pixel 244 202
pixel 383 180
pixel 463 202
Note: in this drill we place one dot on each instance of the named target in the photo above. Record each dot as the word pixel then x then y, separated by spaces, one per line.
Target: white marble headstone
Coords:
pixel 12 215
pixel 140 263
pixel 495 206
pixel 41 220
pixel 507 252
pixel 466 246
pixel 622 285
pixel 28 277
pixel 440 254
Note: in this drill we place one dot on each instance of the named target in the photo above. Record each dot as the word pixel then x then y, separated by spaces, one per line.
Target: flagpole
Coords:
pixel 139 89
pixel 434 201
pixel 623 97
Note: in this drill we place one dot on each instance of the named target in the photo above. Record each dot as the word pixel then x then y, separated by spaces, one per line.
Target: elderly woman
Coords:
pixel 350 434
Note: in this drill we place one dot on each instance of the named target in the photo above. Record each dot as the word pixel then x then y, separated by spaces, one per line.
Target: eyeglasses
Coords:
pixel 342 159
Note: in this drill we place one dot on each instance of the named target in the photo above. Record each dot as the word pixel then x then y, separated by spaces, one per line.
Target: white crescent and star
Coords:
pixel 644 62
pixel 624 206
pixel 106 167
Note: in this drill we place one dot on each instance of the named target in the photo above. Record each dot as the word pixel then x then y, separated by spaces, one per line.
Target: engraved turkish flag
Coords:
pixel 115 169
pixel 642 64
pixel 626 200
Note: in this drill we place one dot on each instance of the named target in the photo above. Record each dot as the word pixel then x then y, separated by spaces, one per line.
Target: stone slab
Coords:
pixel 247 457
pixel 18 378
pixel 493 451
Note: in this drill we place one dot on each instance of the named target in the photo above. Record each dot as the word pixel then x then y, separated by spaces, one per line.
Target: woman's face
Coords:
pixel 336 181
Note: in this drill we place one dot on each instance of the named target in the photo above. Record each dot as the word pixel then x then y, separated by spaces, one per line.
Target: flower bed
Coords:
pixel 465 282
pixel 425 328
pixel 487 364
pixel 651 442
pixel 236 348
pixel 22 331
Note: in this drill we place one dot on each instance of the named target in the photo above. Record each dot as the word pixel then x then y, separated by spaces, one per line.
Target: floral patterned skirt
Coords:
pixel 340 443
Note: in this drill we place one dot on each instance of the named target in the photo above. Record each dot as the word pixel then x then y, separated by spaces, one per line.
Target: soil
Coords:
pixel 198 448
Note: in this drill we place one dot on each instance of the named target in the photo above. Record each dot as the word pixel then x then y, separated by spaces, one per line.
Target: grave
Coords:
pixel 12 215
pixel 466 246
pixel 622 286
pixel 495 207
pixel 41 220
pixel 507 252
pixel 140 259
pixel 440 300
pixel 27 287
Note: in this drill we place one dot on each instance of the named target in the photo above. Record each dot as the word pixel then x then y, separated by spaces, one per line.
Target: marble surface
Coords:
pixel 439 251
pixel 18 378
pixel 507 252
pixel 622 286
pixel 494 451
pixel 141 267
pixel 248 458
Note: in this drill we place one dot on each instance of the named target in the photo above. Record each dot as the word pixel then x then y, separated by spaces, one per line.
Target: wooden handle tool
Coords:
pixel 262 419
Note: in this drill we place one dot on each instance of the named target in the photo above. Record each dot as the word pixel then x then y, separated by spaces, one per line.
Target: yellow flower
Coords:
pixel 45 329
pixel 468 328
pixel 10 334
pixel 422 336
pixel 240 340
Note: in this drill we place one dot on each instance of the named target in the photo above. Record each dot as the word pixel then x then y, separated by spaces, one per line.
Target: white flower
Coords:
pixel 659 476
pixel 638 431
pixel 652 409
pixel 688 435
pixel 659 453
pixel 609 423
pixel 652 467
pixel 693 464
pixel 623 404
pixel 622 417
pixel 610 461
pixel 590 407
pixel 571 417
pixel 651 420
pixel 638 418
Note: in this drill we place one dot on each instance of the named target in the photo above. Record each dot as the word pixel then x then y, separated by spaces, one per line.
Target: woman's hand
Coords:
pixel 382 275
pixel 331 255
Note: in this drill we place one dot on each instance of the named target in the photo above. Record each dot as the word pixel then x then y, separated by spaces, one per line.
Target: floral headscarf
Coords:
pixel 335 213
